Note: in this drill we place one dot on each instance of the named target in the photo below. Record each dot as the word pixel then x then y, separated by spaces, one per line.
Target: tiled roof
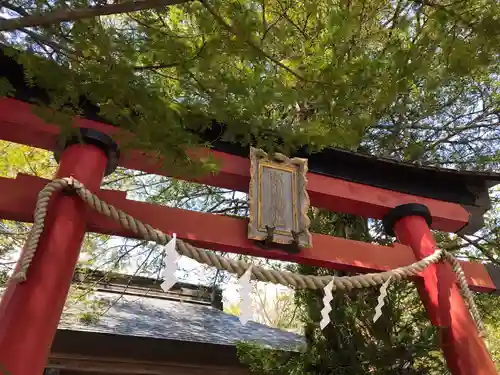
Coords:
pixel 174 320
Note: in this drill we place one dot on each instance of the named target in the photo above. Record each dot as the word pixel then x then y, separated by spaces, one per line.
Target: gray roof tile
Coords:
pixel 173 320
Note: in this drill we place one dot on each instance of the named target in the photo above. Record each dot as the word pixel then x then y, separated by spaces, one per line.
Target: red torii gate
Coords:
pixel 30 311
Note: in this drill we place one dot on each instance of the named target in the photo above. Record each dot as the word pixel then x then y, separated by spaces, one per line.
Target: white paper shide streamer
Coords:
pixel 327 299
pixel 171 259
pixel 246 311
pixel 381 299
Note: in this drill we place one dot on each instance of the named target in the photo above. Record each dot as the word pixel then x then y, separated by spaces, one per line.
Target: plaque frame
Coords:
pixel 295 229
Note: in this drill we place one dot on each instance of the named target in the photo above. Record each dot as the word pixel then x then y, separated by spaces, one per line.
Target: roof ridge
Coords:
pixel 126 284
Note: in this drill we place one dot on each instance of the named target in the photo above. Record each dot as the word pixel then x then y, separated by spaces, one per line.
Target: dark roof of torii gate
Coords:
pixel 458 186
pixel 468 188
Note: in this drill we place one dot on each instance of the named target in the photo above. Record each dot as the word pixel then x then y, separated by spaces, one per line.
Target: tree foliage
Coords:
pixel 406 78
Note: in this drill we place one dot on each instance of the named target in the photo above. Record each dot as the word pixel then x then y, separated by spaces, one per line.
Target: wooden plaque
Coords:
pixel 278 198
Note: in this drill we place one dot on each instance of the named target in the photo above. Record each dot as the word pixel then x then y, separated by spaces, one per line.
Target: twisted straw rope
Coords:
pixel 237 267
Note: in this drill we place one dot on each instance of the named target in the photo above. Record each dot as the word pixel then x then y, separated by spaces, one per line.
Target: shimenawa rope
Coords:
pixel 237 267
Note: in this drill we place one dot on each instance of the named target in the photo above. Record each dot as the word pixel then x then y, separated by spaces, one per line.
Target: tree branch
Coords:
pixel 254 46
pixel 63 15
pixel 173 64
pixel 44 41
pixel 481 248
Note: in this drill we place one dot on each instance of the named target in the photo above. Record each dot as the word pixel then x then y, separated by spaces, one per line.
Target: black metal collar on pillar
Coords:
pixel 404 210
pixel 95 138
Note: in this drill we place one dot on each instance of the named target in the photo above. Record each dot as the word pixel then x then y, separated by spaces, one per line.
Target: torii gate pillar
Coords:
pixel 30 311
pixel 463 348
